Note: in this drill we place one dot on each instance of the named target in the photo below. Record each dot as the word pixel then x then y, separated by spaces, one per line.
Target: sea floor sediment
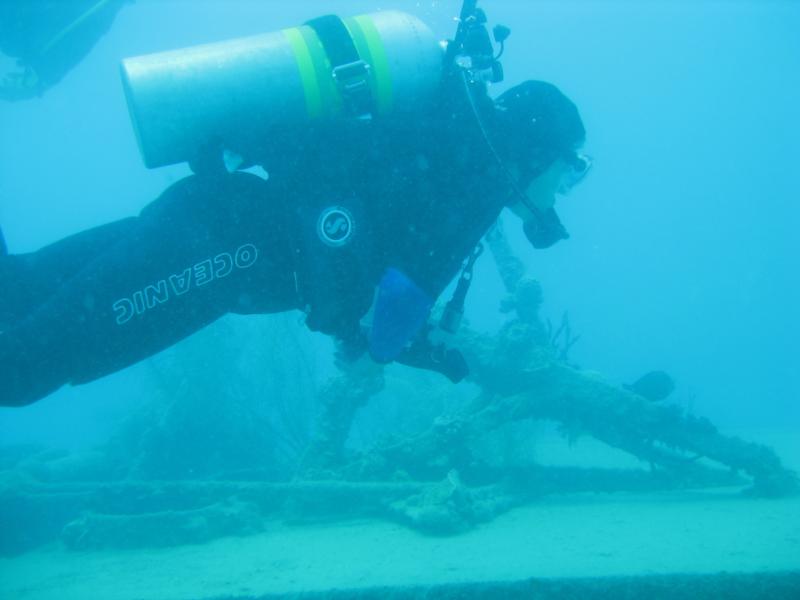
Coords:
pixel 662 545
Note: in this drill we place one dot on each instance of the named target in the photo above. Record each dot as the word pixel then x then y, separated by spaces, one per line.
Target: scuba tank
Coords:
pixel 238 93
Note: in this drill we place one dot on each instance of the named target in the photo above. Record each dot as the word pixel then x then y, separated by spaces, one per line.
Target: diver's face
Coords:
pixel 541 191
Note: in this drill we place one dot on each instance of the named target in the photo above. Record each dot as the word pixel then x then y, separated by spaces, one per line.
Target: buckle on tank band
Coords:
pixel 353 81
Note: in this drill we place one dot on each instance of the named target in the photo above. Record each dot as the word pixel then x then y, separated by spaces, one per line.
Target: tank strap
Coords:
pixel 349 70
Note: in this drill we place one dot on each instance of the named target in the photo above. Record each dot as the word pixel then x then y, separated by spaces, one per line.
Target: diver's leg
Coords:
pixel 32 278
pixel 207 246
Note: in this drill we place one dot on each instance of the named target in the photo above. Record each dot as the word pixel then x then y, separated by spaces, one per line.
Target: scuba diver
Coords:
pixel 48 38
pixel 361 223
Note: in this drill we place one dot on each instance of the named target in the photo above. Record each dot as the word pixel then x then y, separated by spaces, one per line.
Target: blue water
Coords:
pixel 684 248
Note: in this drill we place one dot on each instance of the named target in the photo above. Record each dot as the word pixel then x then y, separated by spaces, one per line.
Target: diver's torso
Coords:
pixel 418 203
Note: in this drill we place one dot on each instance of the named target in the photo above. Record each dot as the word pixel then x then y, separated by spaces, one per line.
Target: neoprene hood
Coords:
pixel 535 120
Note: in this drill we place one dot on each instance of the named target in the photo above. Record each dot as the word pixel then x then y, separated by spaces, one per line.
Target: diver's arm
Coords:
pixel 401 310
pixel 399 330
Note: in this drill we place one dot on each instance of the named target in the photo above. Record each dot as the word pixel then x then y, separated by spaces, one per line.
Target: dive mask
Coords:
pixel 578 167
pixel 557 176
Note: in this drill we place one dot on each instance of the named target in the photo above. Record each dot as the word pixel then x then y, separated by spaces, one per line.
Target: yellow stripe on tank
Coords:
pixel 332 104
pixel 308 74
pixel 370 47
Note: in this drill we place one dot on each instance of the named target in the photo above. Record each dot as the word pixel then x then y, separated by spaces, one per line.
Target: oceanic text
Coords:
pixel 177 284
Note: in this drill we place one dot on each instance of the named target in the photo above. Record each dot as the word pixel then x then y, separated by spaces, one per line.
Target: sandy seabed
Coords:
pixel 708 532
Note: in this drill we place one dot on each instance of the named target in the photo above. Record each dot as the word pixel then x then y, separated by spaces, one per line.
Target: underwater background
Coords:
pixel 684 245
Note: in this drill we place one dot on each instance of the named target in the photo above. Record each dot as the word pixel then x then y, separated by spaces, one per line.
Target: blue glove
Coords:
pixel 401 310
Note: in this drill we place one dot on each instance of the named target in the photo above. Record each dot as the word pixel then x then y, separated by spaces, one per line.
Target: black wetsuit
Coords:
pixel 420 198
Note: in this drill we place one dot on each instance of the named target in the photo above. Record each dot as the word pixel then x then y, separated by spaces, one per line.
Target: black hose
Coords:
pixel 519 193
pixel 468 8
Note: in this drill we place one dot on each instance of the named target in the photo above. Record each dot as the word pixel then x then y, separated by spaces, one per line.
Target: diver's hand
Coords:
pixel 423 354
